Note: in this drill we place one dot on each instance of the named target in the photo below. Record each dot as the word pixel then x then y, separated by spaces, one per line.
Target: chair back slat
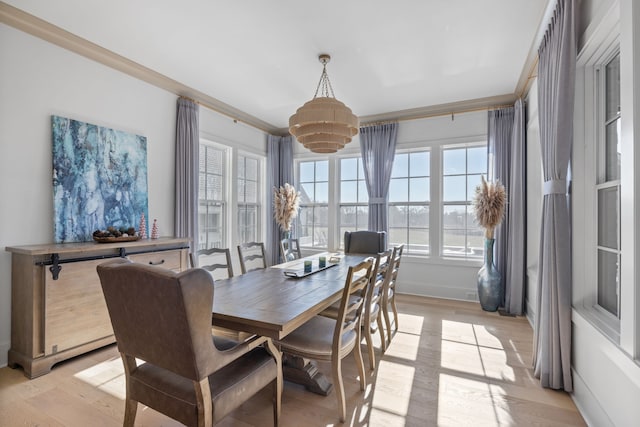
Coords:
pixel 374 292
pixel 350 312
pixel 213 260
pixel 397 257
pixel 252 256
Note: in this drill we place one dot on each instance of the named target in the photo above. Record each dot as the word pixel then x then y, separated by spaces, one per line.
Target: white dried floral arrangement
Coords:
pixel 286 201
pixel 489 205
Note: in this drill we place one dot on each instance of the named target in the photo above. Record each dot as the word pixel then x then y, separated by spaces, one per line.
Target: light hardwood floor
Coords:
pixel 450 364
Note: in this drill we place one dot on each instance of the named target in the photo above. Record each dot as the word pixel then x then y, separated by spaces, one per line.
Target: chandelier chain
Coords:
pixel 324 85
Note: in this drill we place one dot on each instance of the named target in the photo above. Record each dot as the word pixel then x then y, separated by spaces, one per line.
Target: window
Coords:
pixel 607 188
pixel 601 205
pixel 248 199
pixel 212 197
pixel 313 218
pixel 409 197
pixel 354 198
pixel 462 169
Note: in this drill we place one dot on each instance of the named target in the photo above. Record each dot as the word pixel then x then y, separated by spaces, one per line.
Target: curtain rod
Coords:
pixel 379 122
pixel 451 113
pixel 534 67
pixel 215 110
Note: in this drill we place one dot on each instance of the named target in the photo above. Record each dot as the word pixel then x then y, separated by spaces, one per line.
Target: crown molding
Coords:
pixel 478 104
pixel 44 30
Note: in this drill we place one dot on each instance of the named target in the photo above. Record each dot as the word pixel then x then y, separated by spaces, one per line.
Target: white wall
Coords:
pixel 38 79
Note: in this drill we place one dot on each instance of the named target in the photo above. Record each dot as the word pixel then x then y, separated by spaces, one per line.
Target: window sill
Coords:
pixel 608 328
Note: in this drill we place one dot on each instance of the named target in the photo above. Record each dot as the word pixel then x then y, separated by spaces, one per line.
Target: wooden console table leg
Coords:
pixel 305 372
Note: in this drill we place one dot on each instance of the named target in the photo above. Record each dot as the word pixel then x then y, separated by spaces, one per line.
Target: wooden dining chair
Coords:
pixel 372 316
pixel 212 260
pixel 217 261
pixel 252 256
pixel 323 338
pixel 290 249
pixel 389 291
pixel 162 325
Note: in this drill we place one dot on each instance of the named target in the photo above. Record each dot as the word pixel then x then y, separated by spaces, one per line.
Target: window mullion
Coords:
pixel 435 215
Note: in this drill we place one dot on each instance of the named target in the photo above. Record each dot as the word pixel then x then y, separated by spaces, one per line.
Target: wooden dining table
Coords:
pixel 270 303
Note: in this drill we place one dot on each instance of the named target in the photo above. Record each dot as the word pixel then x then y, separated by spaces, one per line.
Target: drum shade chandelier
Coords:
pixel 324 124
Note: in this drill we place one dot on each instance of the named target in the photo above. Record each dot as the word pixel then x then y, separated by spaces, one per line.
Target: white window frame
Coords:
pixel 435 200
pixel 601 183
pixel 357 205
pixel 223 203
pixel 408 203
pixel 330 205
pixel 241 204
pixel 587 154
pixel 469 203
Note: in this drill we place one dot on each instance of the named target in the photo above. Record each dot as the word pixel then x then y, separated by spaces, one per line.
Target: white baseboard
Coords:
pixel 587 404
pixel 530 313
pixel 437 291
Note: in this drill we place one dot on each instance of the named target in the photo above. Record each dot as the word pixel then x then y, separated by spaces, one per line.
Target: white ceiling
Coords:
pixel 260 56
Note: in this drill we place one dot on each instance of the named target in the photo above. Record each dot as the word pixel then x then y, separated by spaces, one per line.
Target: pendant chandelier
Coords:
pixel 324 124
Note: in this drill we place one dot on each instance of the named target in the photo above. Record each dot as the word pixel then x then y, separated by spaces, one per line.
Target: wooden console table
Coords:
pixel 57 307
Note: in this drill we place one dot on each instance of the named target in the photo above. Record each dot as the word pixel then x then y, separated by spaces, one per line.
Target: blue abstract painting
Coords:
pixel 99 179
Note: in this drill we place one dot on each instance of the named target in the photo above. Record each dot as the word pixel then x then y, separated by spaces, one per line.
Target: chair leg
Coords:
pixel 369 340
pixel 387 321
pixel 383 342
pixel 339 386
pixel 360 364
pixel 130 409
pixel 131 406
pixel 395 311
pixel 204 404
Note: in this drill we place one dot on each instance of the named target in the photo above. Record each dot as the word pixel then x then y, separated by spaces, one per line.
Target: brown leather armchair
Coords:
pixel 164 319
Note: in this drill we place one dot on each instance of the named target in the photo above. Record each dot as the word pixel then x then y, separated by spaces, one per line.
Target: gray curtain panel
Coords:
pixel 279 172
pixel 517 209
pixel 508 165
pixel 378 147
pixel 556 82
pixel 499 133
pixel 187 169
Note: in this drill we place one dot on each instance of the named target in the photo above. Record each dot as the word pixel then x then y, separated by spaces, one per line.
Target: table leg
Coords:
pixel 305 372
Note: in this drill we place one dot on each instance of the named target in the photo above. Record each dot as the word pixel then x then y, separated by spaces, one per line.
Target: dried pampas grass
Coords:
pixel 489 204
pixel 285 205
